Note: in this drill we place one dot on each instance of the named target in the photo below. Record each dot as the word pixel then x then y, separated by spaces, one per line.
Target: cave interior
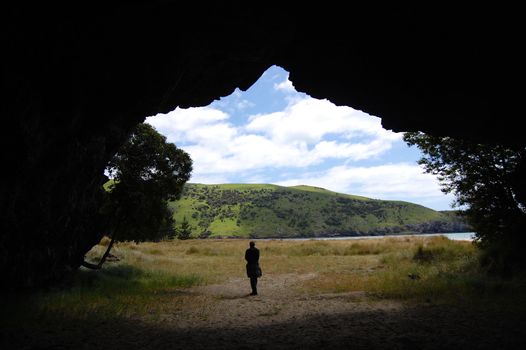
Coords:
pixel 77 80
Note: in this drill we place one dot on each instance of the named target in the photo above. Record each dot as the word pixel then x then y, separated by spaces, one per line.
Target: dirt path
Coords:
pixel 224 316
pixel 230 305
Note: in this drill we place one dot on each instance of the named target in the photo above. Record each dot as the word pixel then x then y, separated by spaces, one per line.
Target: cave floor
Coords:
pixel 224 316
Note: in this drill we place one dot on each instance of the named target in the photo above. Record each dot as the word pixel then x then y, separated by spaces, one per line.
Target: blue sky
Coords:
pixel 272 133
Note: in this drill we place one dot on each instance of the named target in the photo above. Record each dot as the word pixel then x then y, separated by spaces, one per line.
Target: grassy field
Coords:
pixel 421 291
pixel 150 277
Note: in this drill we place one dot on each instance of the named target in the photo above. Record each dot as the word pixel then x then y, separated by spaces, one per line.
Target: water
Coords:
pixel 459 236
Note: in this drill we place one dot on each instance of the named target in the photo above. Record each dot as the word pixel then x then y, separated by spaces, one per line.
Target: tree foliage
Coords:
pixel 147 172
pixel 184 231
pixel 487 180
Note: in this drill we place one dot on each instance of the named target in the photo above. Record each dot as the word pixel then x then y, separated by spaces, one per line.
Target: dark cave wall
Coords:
pixel 77 83
pixel 78 79
pixel 443 70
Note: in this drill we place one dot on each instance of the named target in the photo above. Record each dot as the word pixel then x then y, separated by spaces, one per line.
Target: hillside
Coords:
pixel 250 210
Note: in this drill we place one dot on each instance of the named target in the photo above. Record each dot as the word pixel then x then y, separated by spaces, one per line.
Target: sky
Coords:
pixel 272 133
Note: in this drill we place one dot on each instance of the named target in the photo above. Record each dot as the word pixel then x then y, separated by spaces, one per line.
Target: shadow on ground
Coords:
pixel 422 327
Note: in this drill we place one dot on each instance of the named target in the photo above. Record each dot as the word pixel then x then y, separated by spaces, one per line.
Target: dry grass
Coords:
pixel 381 266
pixel 154 278
pixel 216 260
pixel 177 287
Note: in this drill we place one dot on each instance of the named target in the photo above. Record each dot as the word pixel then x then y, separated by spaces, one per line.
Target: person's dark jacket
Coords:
pixel 252 258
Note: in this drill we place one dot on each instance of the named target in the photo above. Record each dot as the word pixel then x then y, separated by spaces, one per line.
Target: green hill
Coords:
pixel 254 210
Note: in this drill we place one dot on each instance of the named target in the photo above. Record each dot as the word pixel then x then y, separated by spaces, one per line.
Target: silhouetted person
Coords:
pixel 253 269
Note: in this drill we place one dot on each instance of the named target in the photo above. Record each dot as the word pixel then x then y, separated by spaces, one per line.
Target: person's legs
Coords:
pixel 253 284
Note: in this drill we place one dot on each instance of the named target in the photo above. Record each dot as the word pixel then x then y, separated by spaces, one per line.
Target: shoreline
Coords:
pixel 460 236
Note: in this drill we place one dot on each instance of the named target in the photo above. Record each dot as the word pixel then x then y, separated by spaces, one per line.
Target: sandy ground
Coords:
pixel 224 316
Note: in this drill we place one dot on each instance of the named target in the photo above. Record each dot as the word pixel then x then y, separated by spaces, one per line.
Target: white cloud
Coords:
pixel 310 120
pixel 245 153
pixel 285 86
pixel 306 133
pixel 390 181
pixel 182 125
pixel 209 179
pixel 244 104
pixel 357 151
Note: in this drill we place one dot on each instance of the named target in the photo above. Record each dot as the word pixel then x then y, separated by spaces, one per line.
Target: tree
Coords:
pixel 185 230
pixel 146 172
pixel 488 180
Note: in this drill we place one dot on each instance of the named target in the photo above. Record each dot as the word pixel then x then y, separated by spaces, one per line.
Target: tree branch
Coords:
pixel 90 265
pixel 103 259
pixel 104 256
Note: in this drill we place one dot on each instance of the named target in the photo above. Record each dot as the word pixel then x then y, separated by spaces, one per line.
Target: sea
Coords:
pixel 457 236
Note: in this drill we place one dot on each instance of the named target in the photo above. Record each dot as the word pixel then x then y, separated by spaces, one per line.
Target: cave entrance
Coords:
pixel 273 134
